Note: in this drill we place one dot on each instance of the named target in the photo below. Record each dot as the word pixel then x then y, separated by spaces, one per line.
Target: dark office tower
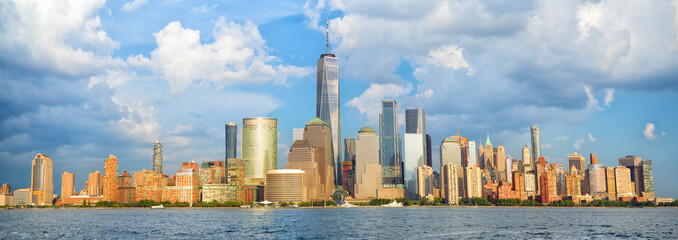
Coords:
pixel 647 179
pixel 327 102
pixel 415 122
pixel 231 140
pixel 157 158
pixel 429 159
pixel 349 150
pixel 536 143
pixel 389 156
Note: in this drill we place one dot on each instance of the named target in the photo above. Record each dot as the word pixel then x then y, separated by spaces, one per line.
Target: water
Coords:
pixel 340 223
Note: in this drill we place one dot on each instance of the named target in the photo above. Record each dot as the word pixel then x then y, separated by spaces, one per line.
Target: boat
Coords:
pixel 245 206
pixel 158 207
pixel 393 204
pixel 293 206
pixel 347 205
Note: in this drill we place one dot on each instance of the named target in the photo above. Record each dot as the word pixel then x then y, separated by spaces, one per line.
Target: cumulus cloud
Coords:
pixel 369 102
pixel 578 143
pixel 591 138
pixel 237 55
pixel 563 138
pixel 133 5
pixel 649 131
pixel 609 96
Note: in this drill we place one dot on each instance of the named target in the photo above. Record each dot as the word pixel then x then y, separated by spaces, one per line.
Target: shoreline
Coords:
pixel 314 207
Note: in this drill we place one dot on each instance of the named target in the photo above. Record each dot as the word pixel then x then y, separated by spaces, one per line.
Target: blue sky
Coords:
pixel 82 80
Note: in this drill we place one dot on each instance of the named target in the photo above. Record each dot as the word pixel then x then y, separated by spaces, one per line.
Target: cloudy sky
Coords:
pixel 80 80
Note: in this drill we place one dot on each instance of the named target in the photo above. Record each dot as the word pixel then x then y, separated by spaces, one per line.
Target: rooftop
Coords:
pixel 366 130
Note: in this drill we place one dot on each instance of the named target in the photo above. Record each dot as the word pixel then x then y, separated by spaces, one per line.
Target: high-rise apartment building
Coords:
pixel 328 107
pixel 414 158
pixel 389 139
pixel 472 154
pixel 577 161
pixel 611 185
pixel 185 188
pixel 95 184
pixel 367 169
pixel 259 148
pixel 536 143
pixel 527 160
pixel 319 135
pixel 424 182
pixel 41 180
pixel 157 157
pixel 530 184
pixel 67 184
pixel 472 178
pixel 597 180
pixel 449 183
pixel 231 133
pixel 110 188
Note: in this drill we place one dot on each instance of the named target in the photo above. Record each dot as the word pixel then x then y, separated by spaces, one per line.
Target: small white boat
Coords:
pixel 347 205
pixel 158 207
pixel 393 204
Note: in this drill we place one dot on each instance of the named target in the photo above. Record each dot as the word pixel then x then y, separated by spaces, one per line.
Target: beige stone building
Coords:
pixel 286 185
pixel 623 182
pixel 368 170
pixel 576 161
pixel 303 156
pixel 611 185
pixel 319 136
pixel 473 180
pixel 424 181
pixel 449 183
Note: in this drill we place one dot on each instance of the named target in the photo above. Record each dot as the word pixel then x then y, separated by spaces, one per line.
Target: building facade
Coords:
pixel 367 169
pixel 286 185
pixel 41 190
pixel 424 181
pixel 319 135
pixel 328 107
pixel 231 133
pixel 414 158
pixel 390 158
pixel 302 155
pixel 536 143
pixel 110 187
pixel 474 185
pixel 449 183
pixel 259 148
pixel 67 184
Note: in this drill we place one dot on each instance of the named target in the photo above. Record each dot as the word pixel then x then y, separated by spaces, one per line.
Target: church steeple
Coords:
pixel 488 140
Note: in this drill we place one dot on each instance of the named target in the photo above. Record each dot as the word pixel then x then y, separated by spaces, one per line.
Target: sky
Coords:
pixel 80 80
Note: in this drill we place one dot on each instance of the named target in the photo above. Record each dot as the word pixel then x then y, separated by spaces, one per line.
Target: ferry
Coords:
pixel 158 207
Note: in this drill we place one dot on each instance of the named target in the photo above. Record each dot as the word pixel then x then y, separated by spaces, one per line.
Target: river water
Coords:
pixel 341 223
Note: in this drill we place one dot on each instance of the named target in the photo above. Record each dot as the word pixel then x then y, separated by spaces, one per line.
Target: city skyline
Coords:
pixel 124 99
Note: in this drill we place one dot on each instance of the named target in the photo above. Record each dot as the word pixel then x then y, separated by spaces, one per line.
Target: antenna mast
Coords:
pixel 327 34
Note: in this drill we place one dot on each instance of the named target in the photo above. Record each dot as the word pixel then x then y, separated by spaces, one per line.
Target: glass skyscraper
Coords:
pixel 536 143
pixel 327 103
pixel 231 141
pixel 259 148
pixel 157 157
pixel 389 156
pixel 415 122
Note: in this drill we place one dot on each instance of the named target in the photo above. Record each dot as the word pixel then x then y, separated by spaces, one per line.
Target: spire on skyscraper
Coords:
pixel 488 140
pixel 327 34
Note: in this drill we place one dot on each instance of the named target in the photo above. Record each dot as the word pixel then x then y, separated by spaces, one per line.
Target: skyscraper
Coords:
pixel 472 154
pixel 95 184
pixel 536 143
pixel 157 157
pixel 489 155
pixel 424 182
pixel 67 184
pixel 367 169
pixel 259 148
pixel 527 161
pixel 577 161
pixel 41 180
pixel 597 181
pixel 390 144
pixel 302 155
pixel 500 163
pixel 349 150
pixel 318 134
pixel 449 183
pixel 450 151
pixel 414 158
pixel 429 157
pixel 231 141
pixel 327 101
pixel 111 178
pixel 415 122
pixel 648 181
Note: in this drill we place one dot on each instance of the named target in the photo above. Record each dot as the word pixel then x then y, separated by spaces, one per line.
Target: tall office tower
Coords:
pixel 327 101
pixel 302 156
pixel 536 143
pixel 415 122
pixel 450 151
pixel 449 183
pixel 414 158
pixel 648 182
pixel 593 158
pixel 297 134
pixel 259 148
pixel 577 161
pixel 489 155
pixel 41 180
pixel 634 164
pixel 481 155
pixel 424 182
pixel 111 178
pixel 500 163
pixel 597 181
pixel 472 154
pixel 157 157
pixel 622 176
pixel 630 160
pixel 527 161
pixel 474 187
pixel 429 156
pixel 95 184
pixel 367 169
pixel 67 184
pixel 231 134
pixel 611 183
pixel 319 136
pixel 349 150
pixel 390 144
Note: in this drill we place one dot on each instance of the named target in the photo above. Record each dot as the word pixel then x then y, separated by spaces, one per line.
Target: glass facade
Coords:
pixel 648 182
pixel 390 144
pixel 415 122
pixel 231 140
pixel 157 157
pixel 536 143
pixel 349 150
pixel 327 104
pixel 259 147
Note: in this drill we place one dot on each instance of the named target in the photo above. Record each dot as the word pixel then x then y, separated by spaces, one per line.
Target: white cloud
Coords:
pixel 369 102
pixel 649 131
pixel 448 56
pixel 237 55
pixel 562 138
pixel 205 8
pixel 133 5
pixel 609 96
pixel 578 143
pixel 591 138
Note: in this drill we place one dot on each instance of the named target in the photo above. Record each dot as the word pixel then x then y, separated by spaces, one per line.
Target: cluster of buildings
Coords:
pixel 372 164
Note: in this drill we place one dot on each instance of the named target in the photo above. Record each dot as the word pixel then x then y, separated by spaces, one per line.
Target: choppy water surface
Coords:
pixel 336 223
